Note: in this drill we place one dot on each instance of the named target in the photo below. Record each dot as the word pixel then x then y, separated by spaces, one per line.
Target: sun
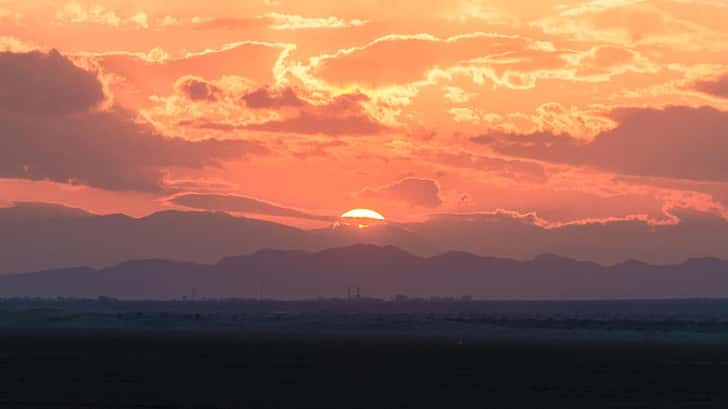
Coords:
pixel 360 218
pixel 362 214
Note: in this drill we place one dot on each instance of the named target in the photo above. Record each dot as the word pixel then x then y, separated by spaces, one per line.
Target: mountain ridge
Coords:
pixel 36 237
pixel 379 271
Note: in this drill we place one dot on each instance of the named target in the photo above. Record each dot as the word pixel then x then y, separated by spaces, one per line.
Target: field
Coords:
pixel 353 355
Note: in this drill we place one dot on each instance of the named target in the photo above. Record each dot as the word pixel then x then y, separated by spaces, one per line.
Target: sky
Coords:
pixel 565 112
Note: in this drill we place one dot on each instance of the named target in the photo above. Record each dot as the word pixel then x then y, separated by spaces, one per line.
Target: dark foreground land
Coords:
pixel 101 354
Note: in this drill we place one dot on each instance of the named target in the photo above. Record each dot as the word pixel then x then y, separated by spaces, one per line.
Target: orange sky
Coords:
pixel 299 110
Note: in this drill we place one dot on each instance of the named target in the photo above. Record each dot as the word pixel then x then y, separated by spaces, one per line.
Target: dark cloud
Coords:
pixel 240 204
pixel 507 168
pixel 200 184
pixel 79 145
pixel 717 86
pixel 506 234
pixel 342 116
pixel 675 142
pixel 307 123
pixel 197 89
pixel 40 83
pixel 268 98
pixel 108 150
pixel 413 191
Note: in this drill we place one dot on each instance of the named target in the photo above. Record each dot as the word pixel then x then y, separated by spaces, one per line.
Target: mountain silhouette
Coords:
pixel 380 272
pixel 48 237
pixel 37 236
pixel 40 236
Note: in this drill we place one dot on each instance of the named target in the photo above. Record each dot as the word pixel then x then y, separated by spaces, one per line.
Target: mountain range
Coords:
pixel 38 236
pixel 380 272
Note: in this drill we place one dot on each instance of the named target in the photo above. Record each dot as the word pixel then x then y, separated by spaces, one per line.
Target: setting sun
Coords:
pixel 362 214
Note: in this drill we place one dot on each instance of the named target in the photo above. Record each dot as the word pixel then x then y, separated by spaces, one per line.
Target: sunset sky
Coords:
pixel 571 111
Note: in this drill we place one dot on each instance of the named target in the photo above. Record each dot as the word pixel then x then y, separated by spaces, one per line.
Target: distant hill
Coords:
pixel 379 272
pixel 42 237
pixel 38 236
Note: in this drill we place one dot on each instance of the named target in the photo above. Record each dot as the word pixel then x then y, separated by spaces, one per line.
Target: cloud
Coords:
pixel 509 234
pixel 282 110
pixel 241 204
pixel 580 122
pixel 49 130
pixel 413 191
pixel 507 168
pixel 312 149
pixel 314 124
pixel 510 61
pixel 483 12
pixel 200 185
pixel 74 12
pixel 717 87
pixel 268 98
pixel 138 78
pixel 230 23
pixel 399 59
pixel 344 115
pixel 639 23
pixel 40 83
pixel 602 62
pixel 458 95
pixel 197 89
pixel 674 142
pixel 280 21
pixel 109 150
pixel 12 44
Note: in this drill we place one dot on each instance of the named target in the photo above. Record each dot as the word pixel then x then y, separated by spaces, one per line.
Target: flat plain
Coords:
pixel 336 354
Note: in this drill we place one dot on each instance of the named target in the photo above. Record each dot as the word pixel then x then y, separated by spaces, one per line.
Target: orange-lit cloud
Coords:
pixel 717 86
pixel 280 21
pixel 413 191
pixel 75 12
pixel 677 142
pixel 52 129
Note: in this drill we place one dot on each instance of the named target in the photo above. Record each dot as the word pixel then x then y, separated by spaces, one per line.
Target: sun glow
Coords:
pixel 362 214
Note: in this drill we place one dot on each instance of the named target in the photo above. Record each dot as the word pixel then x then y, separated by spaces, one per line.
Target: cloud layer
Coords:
pixel 674 142
pixel 50 130
pixel 241 204
pixel 577 113
pixel 412 191
pixel 40 83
